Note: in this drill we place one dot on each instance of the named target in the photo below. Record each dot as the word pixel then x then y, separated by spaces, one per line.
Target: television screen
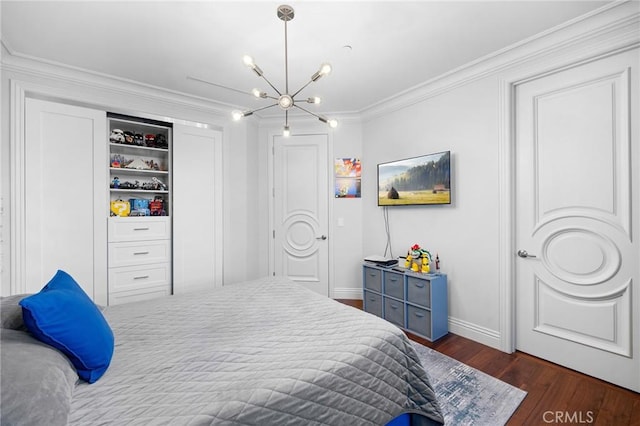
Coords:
pixel 424 180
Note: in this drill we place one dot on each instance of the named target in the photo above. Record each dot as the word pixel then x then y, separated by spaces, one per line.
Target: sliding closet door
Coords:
pixel 197 208
pixel 61 179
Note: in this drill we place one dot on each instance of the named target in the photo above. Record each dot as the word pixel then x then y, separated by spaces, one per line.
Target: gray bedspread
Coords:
pixel 265 352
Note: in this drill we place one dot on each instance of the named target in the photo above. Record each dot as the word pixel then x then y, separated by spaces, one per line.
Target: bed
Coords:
pixel 264 352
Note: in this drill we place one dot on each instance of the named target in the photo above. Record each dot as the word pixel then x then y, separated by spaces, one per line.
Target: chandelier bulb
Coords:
pixel 248 61
pixel 325 69
pixel 313 100
pixel 332 123
pixel 286 132
pixel 258 93
pixel 237 115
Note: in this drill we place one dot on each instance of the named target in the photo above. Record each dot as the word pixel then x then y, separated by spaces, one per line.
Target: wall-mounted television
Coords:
pixel 423 180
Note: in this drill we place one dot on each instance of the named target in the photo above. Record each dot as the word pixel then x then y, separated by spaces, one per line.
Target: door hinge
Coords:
pixel 274 234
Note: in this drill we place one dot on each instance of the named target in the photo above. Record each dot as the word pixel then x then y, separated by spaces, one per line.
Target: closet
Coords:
pixel 64 183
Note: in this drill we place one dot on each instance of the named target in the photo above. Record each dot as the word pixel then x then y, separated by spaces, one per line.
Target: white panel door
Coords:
pixel 65 192
pixel 577 212
pixel 301 197
pixel 197 207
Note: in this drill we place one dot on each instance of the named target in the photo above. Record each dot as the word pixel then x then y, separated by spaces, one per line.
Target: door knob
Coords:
pixel 322 237
pixel 523 253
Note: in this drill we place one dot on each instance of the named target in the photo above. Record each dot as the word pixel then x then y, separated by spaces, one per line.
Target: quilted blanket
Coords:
pixel 265 352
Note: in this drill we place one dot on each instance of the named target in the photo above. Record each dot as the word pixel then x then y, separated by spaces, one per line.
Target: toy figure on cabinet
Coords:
pixel 418 259
pixel 117 136
pixel 157 206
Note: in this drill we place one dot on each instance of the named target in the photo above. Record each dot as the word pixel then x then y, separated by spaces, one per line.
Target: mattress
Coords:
pixel 265 352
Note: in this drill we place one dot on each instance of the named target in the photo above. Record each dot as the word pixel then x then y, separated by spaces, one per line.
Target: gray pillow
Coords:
pixel 37 381
pixel 11 312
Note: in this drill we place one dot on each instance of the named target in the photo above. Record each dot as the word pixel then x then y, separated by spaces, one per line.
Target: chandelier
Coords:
pixel 286 100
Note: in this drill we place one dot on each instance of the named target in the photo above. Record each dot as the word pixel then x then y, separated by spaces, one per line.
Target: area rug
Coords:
pixel 468 396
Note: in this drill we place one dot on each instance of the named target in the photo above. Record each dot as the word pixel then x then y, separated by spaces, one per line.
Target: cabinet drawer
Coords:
pixel 419 321
pixel 394 311
pixel 419 291
pixel 137 296
pixel 139 253
pixel 394 285
pixel 373 279
pixel 139 228
pixel 373 303
pixel 139 277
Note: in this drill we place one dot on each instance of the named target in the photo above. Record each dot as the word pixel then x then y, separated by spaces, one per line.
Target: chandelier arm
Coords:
pixel 286 60
pixel 260 109
pixel 307 111
pixel 272 86
pixel 302 88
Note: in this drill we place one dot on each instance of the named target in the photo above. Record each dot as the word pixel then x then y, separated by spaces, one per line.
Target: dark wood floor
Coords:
pixel 556 395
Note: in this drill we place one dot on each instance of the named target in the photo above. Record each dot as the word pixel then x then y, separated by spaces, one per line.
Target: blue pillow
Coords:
pixel 63 316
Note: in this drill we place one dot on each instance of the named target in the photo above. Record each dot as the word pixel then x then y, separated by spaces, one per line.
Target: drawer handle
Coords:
pixel 393 279
pixel 372 299
pixel 141 229
pixel 140 252
pixel 419 285
pixel 394 306
pixel 141 277
pixel 418 314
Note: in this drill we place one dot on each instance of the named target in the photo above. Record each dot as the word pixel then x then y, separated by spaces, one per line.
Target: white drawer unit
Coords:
pixel 139 258
pixel 139 253
pixel 139 228
pixel 138 295
pixel 129 278
pixel 415 302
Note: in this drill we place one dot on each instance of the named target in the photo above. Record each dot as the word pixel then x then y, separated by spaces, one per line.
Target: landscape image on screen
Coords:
pixel 419 180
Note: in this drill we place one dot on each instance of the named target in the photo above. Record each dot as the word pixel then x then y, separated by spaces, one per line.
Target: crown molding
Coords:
pixel 60 73
pixel 611 27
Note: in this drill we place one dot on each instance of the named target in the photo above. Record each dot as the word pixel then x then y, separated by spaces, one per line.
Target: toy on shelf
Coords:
pixel 418 259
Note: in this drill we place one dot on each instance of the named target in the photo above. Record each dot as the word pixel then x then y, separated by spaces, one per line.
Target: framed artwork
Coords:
pixel 348 177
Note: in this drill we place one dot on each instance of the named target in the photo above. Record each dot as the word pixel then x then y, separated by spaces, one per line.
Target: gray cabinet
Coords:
pixel 412 301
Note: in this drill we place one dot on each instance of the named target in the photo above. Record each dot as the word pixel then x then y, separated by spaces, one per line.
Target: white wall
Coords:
pixel 346 239
pixel 465 233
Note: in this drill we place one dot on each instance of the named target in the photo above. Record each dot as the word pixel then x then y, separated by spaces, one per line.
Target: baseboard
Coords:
pixel 347 293
pixel 475 332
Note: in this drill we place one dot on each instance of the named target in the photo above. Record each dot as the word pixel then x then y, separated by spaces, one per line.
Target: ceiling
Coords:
pixel 377 49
